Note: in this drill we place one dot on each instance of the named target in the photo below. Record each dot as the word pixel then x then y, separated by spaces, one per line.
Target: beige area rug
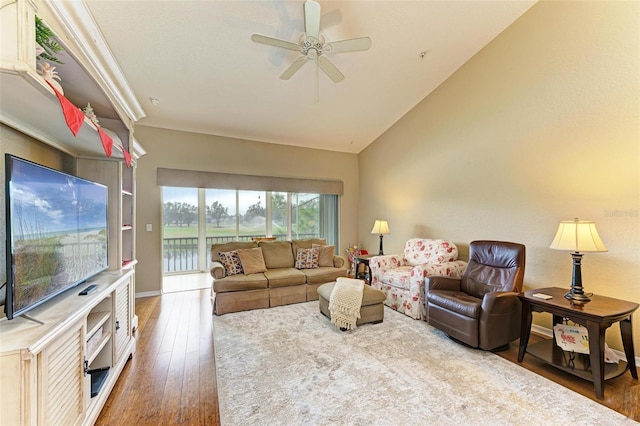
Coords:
pixel 290 366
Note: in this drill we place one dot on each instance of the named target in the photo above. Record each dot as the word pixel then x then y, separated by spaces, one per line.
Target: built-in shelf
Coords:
pixel 95 320
pixel 103 341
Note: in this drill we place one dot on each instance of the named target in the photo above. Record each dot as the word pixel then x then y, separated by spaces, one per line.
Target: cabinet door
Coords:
pixel 61 379
pixel 122 318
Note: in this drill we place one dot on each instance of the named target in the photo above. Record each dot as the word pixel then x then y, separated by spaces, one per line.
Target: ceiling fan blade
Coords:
pixel 275 42
pixel 312 18
pixel 351 45
pixel 330 69
pixel 293 68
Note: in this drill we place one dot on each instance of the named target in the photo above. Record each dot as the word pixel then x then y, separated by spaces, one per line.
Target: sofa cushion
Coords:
pixel 306 244
pixel 230 246
pixel 307 258
pixel 456 301
pixel 231 262
pixel 323 274
pixel 277 254
pixel 325 254
pixel 251 260
pixel 240 282
pixel 283 277
pixel 399 277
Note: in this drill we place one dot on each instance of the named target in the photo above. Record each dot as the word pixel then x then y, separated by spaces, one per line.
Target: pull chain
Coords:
pixel 317 83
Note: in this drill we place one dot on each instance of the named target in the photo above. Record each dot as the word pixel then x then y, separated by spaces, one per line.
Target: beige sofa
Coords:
pixel 274 283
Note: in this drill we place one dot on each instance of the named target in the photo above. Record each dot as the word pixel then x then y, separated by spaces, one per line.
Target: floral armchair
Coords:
pixel 401 278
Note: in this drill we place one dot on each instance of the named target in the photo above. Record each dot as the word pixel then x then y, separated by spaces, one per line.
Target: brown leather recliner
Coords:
pixel 482 308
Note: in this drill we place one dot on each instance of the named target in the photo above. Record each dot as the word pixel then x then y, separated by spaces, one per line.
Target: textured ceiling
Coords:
pixel 198 60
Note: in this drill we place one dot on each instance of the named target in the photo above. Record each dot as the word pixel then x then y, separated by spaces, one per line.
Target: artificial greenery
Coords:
pixel 44 37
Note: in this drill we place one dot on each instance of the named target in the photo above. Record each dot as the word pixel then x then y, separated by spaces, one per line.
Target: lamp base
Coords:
pixel 577 298
pixel 576 293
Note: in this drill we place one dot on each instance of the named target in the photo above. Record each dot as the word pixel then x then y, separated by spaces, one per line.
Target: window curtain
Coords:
pixel 329 213
pixel 215 180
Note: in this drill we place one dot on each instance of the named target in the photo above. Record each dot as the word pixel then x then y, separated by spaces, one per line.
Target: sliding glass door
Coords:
pixel 180 229
pixel 194 219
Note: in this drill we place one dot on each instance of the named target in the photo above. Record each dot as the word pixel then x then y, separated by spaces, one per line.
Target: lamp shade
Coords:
pixel 577 236
pixel 380 227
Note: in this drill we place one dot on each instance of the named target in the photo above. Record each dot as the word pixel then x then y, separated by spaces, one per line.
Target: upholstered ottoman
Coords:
pixel 372 309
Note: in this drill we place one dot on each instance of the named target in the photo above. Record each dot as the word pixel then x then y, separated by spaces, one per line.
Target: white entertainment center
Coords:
pixel 61 370
pixel 45 368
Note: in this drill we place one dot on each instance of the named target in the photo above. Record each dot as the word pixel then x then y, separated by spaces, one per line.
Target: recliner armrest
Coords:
pixel 499 319
pixel 442 283
pixel 217 270
pixel 338 262
pixel 499 302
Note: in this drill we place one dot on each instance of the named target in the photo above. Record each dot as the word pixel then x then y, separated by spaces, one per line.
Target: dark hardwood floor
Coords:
pixel 171 378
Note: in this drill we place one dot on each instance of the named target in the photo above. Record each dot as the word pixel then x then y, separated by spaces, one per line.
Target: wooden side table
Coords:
pixel 366 273
pixel 596 316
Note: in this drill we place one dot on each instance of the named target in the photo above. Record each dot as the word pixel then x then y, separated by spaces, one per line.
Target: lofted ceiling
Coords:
pixel 198 60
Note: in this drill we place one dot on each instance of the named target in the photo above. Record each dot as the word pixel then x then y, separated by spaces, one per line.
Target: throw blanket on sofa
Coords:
pixel 345 302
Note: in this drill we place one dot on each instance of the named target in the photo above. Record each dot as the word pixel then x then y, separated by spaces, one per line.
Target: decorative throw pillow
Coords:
pixel 231 262
pixel 307 258
pixel 325 256
pixel 252 260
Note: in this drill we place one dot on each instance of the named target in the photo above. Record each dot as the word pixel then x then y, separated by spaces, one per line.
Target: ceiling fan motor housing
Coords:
pixel 311 43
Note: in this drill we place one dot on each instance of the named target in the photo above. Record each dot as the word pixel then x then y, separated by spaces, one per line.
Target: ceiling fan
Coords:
pixel 313 45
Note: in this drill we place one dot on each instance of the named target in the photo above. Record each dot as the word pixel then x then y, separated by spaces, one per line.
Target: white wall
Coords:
pixel 540 126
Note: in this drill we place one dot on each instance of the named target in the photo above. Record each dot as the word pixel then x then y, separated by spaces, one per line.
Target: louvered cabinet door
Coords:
pixel 122 319
pixel 61 379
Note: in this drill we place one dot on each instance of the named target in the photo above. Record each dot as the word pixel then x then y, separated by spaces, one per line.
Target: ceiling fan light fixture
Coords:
pixel 313 45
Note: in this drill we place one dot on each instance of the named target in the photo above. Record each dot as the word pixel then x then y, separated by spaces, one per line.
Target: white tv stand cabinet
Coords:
pixel 44 369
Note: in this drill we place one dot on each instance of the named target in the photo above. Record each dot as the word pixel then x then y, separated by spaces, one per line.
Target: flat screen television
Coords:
pixel 56 233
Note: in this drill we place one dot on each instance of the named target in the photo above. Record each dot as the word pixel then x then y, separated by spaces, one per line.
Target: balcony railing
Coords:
pixel 181 253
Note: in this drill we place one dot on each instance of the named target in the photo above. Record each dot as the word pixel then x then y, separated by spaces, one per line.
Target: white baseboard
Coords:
pixel 547 332
pixel 538 329
pixel 148 294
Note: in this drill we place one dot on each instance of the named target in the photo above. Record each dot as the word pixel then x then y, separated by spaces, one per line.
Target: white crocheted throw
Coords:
pixel 345 302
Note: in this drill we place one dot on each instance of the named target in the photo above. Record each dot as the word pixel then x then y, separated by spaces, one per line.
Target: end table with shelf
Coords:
pixel 366 273
pixel 597 315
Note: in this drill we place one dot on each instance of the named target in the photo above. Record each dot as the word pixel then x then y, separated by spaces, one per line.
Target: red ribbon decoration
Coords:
pixel 107 142
pixel 75 118
pixel 127 156
pixel 72 114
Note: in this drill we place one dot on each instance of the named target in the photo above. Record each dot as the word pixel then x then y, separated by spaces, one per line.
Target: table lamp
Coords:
pixel 577 236
pixel 380 227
